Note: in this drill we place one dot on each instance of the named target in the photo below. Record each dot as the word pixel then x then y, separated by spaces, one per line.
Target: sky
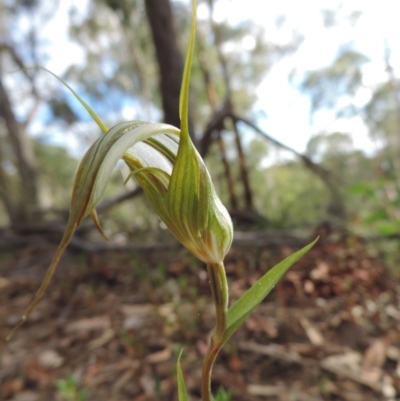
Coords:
pixel 287 110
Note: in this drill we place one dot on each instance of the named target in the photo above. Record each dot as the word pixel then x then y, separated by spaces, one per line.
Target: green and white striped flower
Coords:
pixel 173 176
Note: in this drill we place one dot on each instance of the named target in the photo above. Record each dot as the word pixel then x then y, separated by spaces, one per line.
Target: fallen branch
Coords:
pixel 45 233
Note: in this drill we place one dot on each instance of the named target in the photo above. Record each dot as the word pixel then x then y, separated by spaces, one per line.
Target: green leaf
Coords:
pixel 377 215
pixel 362 188
pixel 238 312
pixel 182 394
pixel 223 395
pixel 388 228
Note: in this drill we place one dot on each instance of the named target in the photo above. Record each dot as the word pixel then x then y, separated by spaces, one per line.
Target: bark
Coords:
pixel 5 192
pixel 228 174
pixel 110 203
pixel 169 58
pixel 41 234
pixel 394 142
pixel 215 124
pixel 26 203
pixel 244 173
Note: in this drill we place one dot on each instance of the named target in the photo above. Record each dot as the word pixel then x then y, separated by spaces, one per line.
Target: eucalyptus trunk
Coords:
pixel 22 203
pixel 169 58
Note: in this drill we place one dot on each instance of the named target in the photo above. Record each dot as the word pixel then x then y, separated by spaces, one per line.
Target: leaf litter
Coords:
pixel 116 321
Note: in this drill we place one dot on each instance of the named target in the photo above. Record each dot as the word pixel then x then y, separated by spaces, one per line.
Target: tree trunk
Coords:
pixel 169 58
pixel 244 173
pixel 228 173
pixel 26 202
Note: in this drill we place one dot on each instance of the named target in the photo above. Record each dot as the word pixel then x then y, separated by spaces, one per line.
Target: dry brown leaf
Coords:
pixel 321 272
pixel 37 373
pixel 264 390
pixel 126 377
pixel 148 384
pixel 50 359
pixel 393 353
pixel 88 324
pixel 160 356
pixel 313 334
pixel 134 322
pixel 348 391
pixel 141 397
pixel 392 312
pixel 277 352
pixel 4 282
pixel 348 365
pixel 388 389
pixel 26 396
pixel 11 387
pixel 269 327
pixel 308 286
pixel 137 310
pixel 374 358
pixel 98 342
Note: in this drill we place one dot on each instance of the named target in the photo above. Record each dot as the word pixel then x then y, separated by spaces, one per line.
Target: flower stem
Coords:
pixel 208 363
pixel 219 289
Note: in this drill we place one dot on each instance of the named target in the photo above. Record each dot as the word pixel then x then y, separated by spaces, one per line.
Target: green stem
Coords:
pixel 219 289
pixel 208 363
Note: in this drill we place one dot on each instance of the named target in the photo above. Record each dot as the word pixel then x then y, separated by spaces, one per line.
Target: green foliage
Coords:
pixel 119 57
pixel 379 214
pixel 381 112
pixel 343 77
pixel 283 189
pixel 69 389
pixel 223 395
pixel 122 59
pixel 238 312
pixel 56 168
pixel 182 394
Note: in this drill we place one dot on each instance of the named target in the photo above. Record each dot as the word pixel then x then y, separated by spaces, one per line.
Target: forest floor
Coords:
pixel 112 323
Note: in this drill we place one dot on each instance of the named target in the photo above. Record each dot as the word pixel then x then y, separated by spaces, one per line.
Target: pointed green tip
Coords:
pixel 182 394
pixel 184 95
pixel 92 113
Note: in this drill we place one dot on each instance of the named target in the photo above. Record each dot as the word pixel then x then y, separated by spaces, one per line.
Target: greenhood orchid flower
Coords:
pixel 173 177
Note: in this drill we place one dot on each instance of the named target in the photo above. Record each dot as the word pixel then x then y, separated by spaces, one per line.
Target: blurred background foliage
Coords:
pixel 122 75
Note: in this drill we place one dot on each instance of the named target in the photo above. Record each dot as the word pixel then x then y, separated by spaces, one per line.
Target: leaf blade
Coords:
pixel 238 312
pixel 182 394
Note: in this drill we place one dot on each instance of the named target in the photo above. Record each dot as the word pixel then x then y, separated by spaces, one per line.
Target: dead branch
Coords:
pixel 109 203
pixel 336 207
